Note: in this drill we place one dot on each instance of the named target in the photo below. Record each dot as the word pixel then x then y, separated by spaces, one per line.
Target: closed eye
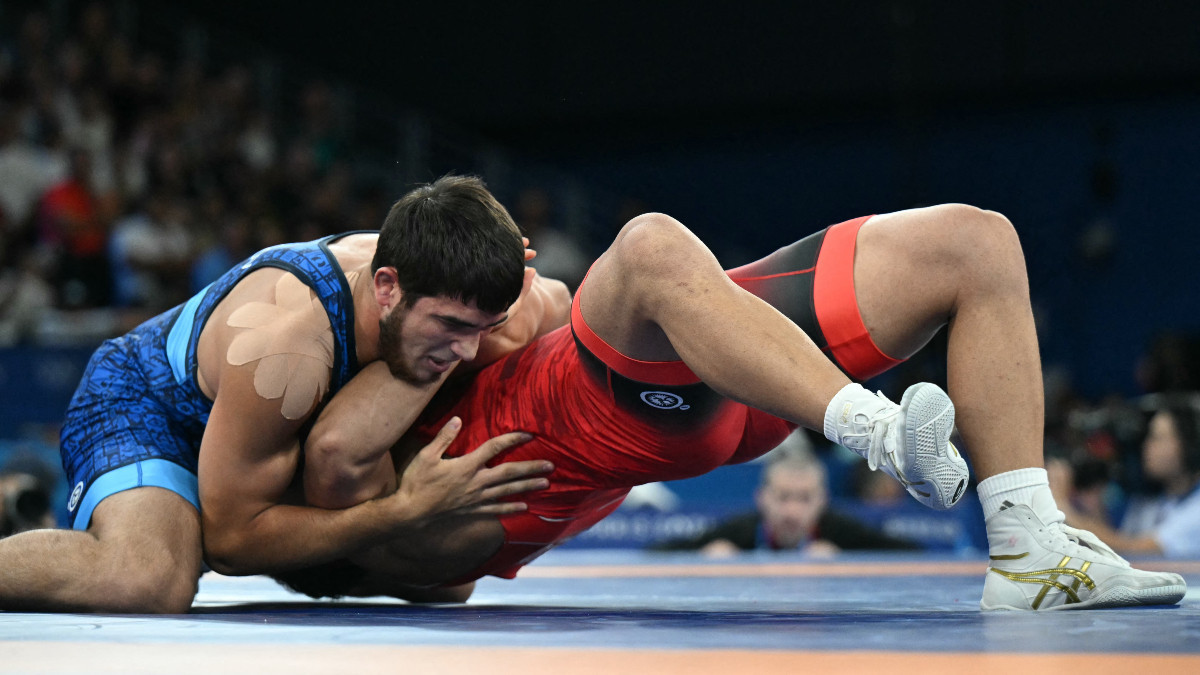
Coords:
pixel 456 324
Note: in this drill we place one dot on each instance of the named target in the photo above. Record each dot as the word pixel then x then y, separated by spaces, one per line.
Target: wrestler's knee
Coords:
pixel 652 243
pixel 970 232
pixel 991 249
pixel 153 584
pixel 977 245
pixel 460 593
pixel 655 258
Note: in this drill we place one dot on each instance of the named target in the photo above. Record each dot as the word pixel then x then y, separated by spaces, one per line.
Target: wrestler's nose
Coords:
pixel 466 348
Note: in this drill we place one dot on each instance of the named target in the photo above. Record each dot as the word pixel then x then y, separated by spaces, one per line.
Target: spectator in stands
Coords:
pixel 1167 523
pixel 321 127
pixel 27 170
pixel 223 238
pixel 25 295
pixel 1171 363
pixel 71 225
pixel 792 514
pixel 151 252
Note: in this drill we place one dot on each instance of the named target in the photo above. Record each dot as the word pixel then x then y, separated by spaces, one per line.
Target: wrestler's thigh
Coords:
pixel 154 530
pixel 905 277
pixel 656 275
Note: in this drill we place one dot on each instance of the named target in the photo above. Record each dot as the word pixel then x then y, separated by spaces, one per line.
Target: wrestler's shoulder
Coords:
pixel 269 314
pixel 354 250
pixel 266 286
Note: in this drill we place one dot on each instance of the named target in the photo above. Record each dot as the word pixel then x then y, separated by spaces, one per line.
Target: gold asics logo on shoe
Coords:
pixel 1050 579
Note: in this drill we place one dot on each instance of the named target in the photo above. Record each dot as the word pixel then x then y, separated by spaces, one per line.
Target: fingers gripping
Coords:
pixel 510 472
pixel 514 487
pixel 493 447
pixel 509 478
pixel 466 484
pixel 440 443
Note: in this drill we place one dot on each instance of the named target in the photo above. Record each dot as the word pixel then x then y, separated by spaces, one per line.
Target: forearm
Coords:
pixel 337 477
pixel 263 535
pixel 347 453
pixel 286 536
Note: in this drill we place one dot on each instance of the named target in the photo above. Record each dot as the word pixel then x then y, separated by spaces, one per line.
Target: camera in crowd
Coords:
pixel 25 500
pixel 1104 443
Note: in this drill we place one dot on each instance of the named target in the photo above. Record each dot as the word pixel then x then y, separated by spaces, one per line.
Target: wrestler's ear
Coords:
pixel 388 293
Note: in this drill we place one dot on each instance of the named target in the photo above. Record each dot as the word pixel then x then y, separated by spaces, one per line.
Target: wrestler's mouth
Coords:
pixel 440 365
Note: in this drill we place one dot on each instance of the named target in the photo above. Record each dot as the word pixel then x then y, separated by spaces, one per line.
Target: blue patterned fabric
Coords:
pixel 139 404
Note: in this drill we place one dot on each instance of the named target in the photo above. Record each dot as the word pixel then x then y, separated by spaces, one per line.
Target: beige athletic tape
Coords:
pixel 293 343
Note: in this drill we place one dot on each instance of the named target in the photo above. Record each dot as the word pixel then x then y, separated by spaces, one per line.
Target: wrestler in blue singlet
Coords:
pixel 138 416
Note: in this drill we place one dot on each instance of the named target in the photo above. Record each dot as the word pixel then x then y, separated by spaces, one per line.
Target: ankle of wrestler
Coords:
pixel 1030 487
pixel 849 415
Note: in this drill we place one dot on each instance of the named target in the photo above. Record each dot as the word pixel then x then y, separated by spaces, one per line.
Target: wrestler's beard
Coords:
pixel 391 349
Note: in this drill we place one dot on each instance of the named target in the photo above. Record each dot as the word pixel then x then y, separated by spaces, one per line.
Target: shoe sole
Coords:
pixel 928 423
pixel 1120 596
pixel 1129 597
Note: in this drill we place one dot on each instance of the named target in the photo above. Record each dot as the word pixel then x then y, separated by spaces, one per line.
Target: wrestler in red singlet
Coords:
pixel 609 422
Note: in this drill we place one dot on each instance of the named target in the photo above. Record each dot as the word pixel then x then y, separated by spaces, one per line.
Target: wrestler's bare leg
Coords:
pixel 659 294
pixel 956 265
pixel 915 271
pixel 141 555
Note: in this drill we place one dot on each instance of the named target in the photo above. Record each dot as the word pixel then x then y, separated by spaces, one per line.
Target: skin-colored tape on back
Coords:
pixel 291 340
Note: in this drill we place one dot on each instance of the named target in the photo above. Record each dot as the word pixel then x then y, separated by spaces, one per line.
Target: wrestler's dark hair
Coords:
pixel 452 238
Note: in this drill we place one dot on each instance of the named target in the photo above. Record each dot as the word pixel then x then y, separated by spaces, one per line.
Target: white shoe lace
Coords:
pixel 883 447
pixel 1085 539
pixel 1078 540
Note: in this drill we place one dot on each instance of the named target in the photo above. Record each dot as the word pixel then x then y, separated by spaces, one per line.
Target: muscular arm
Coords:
pixel 247 466
pixel 247 461
pixel 347 458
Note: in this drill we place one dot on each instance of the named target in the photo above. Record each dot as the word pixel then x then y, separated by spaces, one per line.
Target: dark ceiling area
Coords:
pixel 541 73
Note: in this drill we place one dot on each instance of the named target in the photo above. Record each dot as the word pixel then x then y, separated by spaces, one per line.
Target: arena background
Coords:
pixel 754 123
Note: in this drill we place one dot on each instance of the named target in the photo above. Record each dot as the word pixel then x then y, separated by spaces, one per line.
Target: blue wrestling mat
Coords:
pixel 580 611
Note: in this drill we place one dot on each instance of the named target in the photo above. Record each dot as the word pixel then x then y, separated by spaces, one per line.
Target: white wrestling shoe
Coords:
pixel 910 441
pixel 1039 566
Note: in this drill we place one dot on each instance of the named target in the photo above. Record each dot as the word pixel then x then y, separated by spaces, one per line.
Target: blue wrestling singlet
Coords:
pixel 138 415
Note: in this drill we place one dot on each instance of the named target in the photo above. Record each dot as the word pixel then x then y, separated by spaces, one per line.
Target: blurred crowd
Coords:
pixel 1129 469
pixel 128 180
